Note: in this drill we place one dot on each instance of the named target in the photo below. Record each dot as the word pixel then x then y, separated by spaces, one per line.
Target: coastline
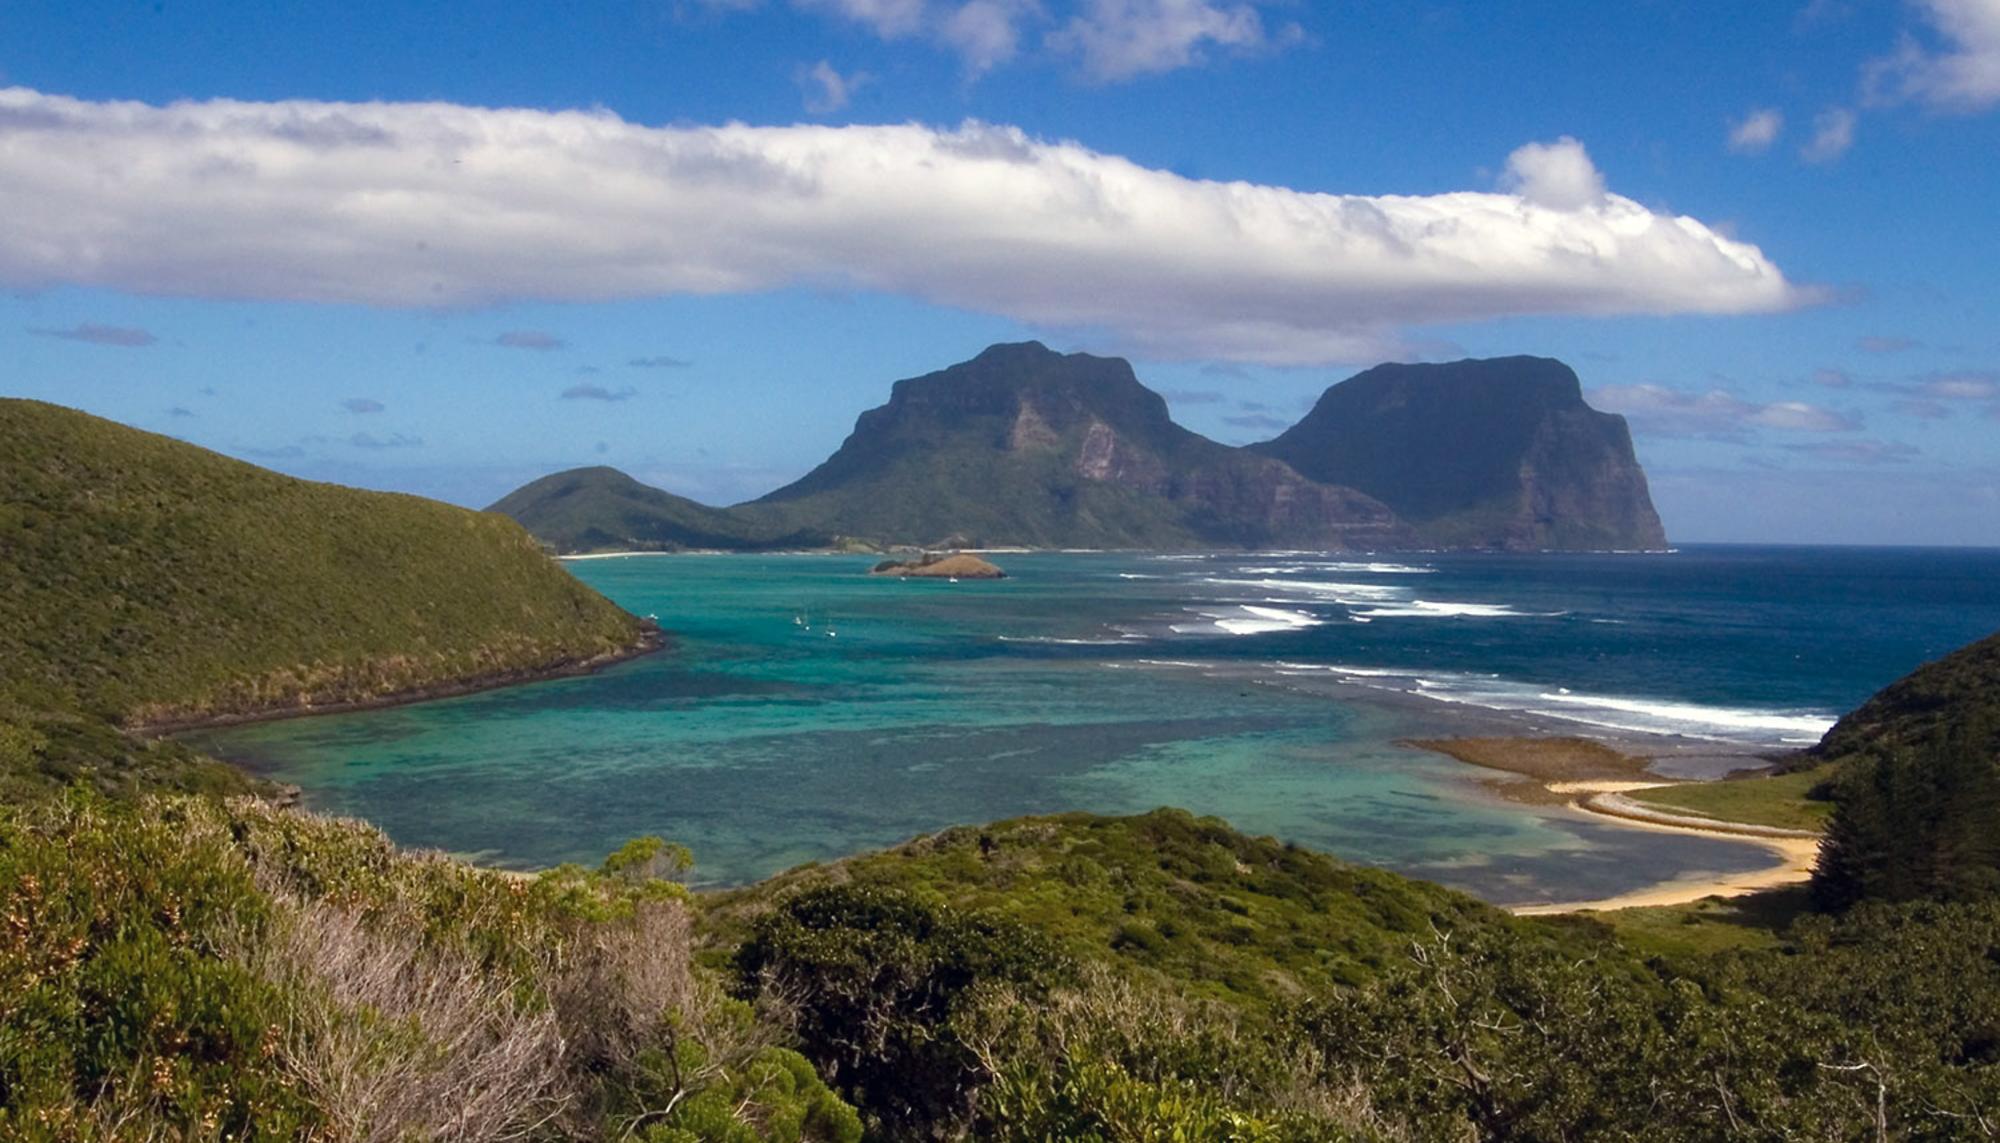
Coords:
pixel 1592 777
pixel 651 640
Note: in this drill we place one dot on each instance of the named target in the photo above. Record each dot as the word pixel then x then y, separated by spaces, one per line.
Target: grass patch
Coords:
pixel 1779 800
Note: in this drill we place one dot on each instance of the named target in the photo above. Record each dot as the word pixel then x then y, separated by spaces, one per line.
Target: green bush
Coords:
pixel 195 969
pixel 877 980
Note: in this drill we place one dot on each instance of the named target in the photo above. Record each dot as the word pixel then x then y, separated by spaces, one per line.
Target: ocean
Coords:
pixel 807 711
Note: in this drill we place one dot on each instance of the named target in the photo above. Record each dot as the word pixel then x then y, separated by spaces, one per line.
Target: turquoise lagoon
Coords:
pixel 807 711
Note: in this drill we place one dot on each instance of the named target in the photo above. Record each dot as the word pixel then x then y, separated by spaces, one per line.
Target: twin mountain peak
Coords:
pixel 1025 447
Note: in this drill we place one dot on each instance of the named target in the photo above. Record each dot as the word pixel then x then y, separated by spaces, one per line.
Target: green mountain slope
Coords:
pixel 144 580
pixel 1025 446
pixel 1500 453
pixel 602 509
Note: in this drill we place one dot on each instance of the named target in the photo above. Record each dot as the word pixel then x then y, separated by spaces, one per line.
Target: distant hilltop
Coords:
pixel 1025 447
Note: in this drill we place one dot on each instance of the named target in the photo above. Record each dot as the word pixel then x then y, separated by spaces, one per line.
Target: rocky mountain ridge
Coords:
pixel 1023 446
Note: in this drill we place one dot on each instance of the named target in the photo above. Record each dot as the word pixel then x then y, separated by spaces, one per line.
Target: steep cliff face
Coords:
pixel 1022 445
pixel 1500 453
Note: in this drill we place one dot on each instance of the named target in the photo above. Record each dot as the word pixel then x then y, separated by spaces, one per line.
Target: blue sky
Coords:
pixel 448 248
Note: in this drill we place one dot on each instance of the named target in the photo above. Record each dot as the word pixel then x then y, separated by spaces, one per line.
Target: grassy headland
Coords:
pixel 148 582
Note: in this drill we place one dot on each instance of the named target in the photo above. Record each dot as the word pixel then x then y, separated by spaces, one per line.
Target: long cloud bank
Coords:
pixel 436 204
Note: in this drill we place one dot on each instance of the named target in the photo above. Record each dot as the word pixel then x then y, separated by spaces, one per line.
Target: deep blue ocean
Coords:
pixel 807 711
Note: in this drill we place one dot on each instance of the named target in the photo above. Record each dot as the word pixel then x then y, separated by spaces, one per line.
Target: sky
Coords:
pixel 448 248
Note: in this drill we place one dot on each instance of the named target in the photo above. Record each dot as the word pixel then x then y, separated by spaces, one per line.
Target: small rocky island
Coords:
pixel 935 565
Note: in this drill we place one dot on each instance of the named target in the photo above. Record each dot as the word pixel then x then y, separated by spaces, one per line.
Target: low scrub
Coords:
pixel 181 968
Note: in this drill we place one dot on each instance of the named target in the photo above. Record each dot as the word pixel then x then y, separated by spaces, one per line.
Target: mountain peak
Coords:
pixel 1022 350
pixel 1496 451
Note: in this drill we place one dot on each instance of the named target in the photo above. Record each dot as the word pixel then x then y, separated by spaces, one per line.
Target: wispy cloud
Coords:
pixel 243 199
pixel 890 19
pixel 1833 378
pixel 1833 134
pixel 1876 344
pixel 362 405
pixel 529 339
pixel 826 90
pixel 393 440
pixel 1192 396
pixel 1116 40
pixel 1755 132
pixel 592 392
pixel 1261 421
pixel 1971 386
pixel 90 333
pixel 1959 72
pixel 1858 452
pixel 180 411
pixel 1662 411
pixel 659 363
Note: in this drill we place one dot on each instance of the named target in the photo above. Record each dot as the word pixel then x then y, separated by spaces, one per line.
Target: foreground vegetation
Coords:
pixel 179 967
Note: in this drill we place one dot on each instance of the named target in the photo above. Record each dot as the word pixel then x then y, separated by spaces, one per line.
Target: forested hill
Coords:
pixel 145 580
pixel 1960 690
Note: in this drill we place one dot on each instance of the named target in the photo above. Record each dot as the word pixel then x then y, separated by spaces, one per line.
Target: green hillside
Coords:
pixel 602 509
pixel 1916 711
pixel 1166 896
pixel 147 581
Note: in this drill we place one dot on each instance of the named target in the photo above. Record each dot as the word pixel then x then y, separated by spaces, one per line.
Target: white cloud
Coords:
pixel 1876 343
pixel 1110 40
pixel 984 33
pixel 1858 451
pixel 1556 175
pixel 890 19
pixel 1755 133
pixel 1120 39
pixel 436 204
pixel 1962 387
pixel 826 90
pixel 1963 76
pixel 1833 134
pixel 1671 412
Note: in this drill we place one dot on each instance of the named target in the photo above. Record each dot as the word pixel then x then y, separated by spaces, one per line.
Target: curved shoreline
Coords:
pixel 1796 858
pixel 1797 851
pixel 652 639
pixel 1590 776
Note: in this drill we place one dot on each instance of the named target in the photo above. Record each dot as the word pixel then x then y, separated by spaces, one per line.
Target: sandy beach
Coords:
pixel 1591 777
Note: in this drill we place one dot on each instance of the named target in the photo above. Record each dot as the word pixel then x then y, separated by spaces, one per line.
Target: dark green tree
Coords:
pixel 879 981
pixel 1916 825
